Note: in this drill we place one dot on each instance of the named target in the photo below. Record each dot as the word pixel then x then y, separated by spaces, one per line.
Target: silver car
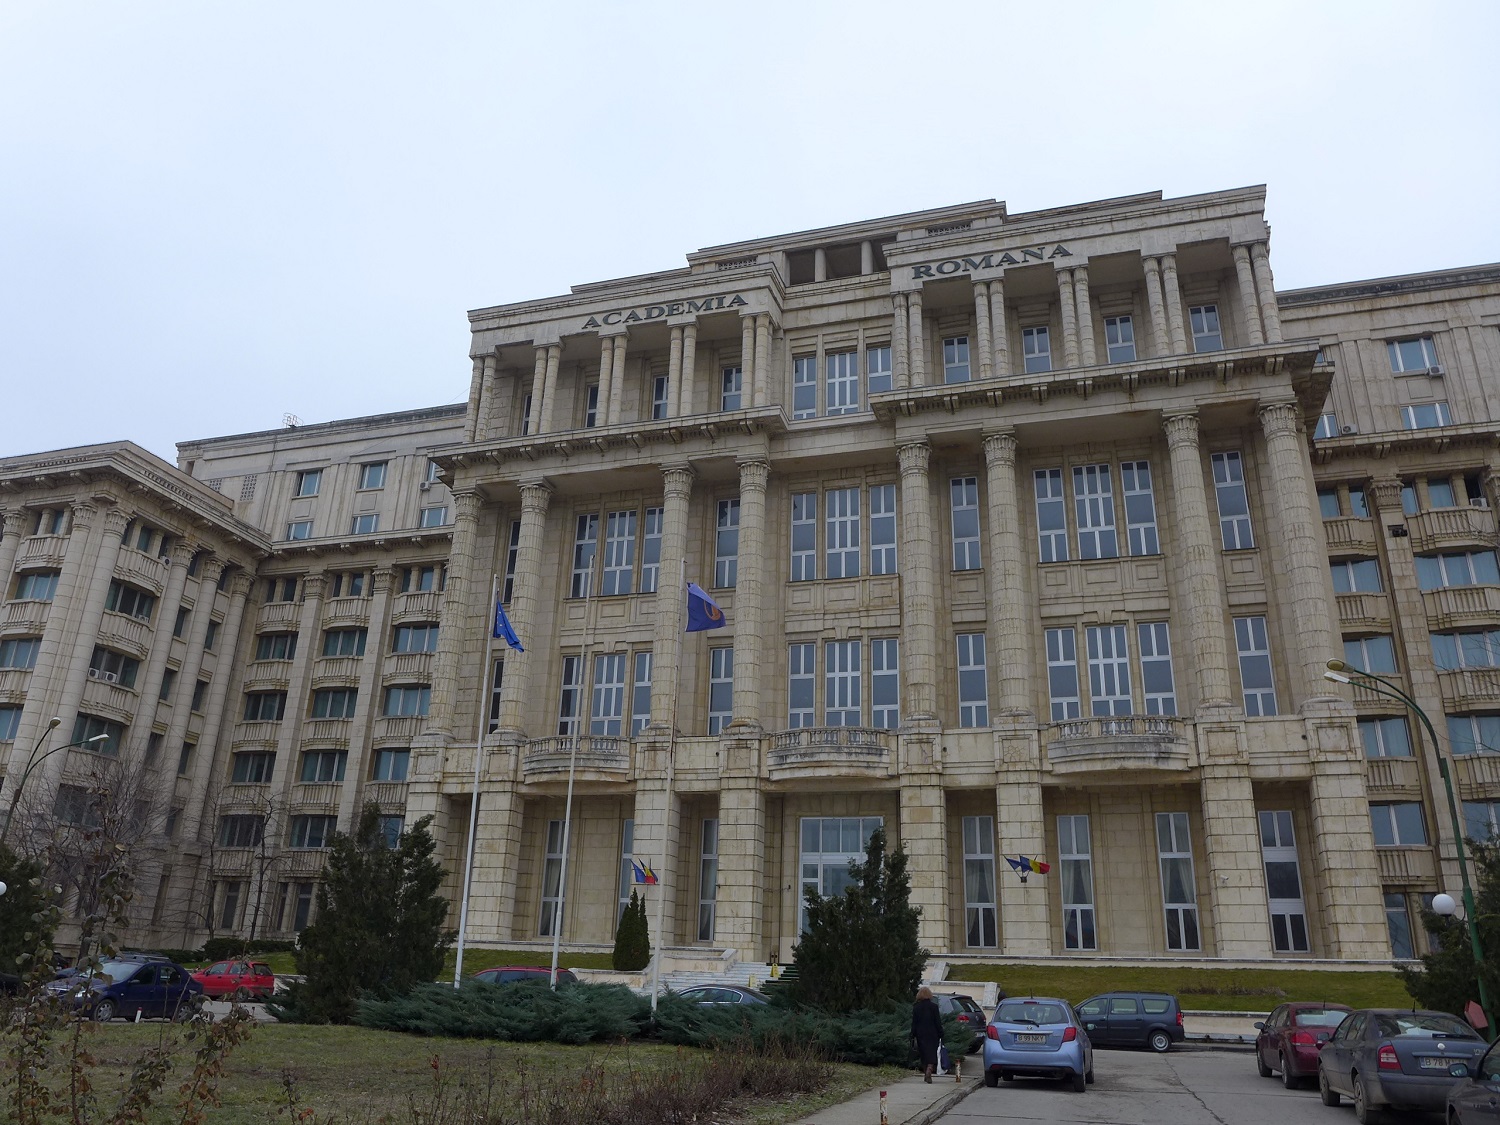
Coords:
pixel 1037 1036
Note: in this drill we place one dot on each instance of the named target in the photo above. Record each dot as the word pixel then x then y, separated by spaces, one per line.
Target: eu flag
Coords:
pixel 703 611
pixel 503 628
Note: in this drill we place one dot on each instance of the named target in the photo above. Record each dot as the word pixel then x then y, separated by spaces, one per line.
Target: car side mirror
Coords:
pixel 1260 1025
pixel 1459 1070
pixel 1323 1043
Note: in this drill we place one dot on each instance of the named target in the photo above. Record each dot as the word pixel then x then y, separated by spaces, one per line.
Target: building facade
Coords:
pixel 1033 535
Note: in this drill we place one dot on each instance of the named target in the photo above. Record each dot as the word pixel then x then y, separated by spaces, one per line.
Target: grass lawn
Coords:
pixel 477 959
pixel 1229 990
pixel 352 1074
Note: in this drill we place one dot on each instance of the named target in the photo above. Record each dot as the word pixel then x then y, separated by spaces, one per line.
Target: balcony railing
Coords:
pixel 145 571
pixel 1451 528
pixel 244 794
pixel 1348 535
pixel 424 605
pixel 327 732
pixel 344 611
pixel 1477 775
pixel 404 667
pixel 830 752
pixel 1455 607
pixel 1364 612
pixel 43 551
pixel 275 616
pixel 125 634
pixel 1406 865
pixel 401 728
pixel 302 861
pixel 1118 742
pixel 388 795
pixel 1392 773
pixel 596 756
pixel 30 616
pixel 256 733
pixel 1470 687
pixel 316 794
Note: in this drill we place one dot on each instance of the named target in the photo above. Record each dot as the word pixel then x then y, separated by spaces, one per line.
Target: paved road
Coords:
pixel 1183 1087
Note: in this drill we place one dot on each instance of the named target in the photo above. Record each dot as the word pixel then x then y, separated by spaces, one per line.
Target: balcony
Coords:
pixel 389 795
pixel 1476 775
pixel 1470 688
pixel 1348 535
pixel 43 552
pixel 1450 529
pixel 1406 865
pixel 1117 743
pixel 346 611
pixel 399 729
pixel 28 617
pixel 269 675
pixel 598 757
pixel 1364 613
pixel 258 734
pixel 318 796
pixel 407 667
pixel 1460 607
pixel 233 861
pixel 277 617
pixel 417 607
pixel 831 752
pixel 125 634
pixel 1392 773
pixel 336 671
pixel 109 700
pixel 327 732
pixel 305 862
pixel 244 795
pixel 145 571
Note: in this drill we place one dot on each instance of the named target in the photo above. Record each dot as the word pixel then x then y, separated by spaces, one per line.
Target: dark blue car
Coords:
pixel 152 987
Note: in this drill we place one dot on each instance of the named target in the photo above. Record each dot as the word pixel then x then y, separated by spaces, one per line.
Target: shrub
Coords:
pixel 633 938
pixel 225 948
pixel 525 1011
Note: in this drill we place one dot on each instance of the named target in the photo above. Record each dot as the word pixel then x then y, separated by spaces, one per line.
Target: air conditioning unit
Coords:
pixel 1348 429
pixel 1435 369
pixel 1478 502
pixel 101 674
pixel 425 485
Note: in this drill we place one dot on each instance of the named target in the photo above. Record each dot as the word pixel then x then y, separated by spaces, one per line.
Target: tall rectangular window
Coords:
pixel 1205 324
pixel 1109 670
pixel 1468 568
pixel 1119 339
pixel 1385 738
pixel 883 529
pixel 309 481
pixel 497 684
pixel 1036 350
pixel 407 700
pixel 727 544
pixel 1094 508
pixel 343 642
pixel 1371 654
pixel 1474 734
pixel 391 765
pixel 568 707
pixel 965 510
pixel 640 697
pixel 1398 926
pixel 619 552
pixel 841 382
pixel 801 685
pixel 841 542
pixel 585 546
pixel 842 706
pixel 37 586
pixel 552 865
pixel 415 638
pixel 526 404
pixel 732 388
pixel 804 536
pixel 1075 861
pixel 651 550
pixel 829 845
pixel 1450 651
pixel 1234 503
pixel 335 703
pixel 804 387
pixel 1398 824
pixel 512 554
pixel 1140 507
pixel 720 689
pixel 591 407
pixel 1156 668
pixel 607 711
pixel 973 681
pixel 878 368
pixel 1481 820
pixel 1062 674
pixel 364 524
pixel 1356 576
pixel 956 359
pixel 1328 426
pixel 323 766
pixel 708 879
pixel 1051 516
pixel 1255 665
pixel 981 930
pixel 627 869
pixel 1408 356
pixel 372 475
pixel 885 683
pixel 1278 849
pixel 658 398
pixel 1179 891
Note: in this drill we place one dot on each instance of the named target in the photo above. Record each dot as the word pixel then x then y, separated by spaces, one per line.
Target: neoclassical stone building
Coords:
pixel 1033 533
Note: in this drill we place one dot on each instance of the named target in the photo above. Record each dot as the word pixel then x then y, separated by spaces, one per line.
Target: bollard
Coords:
pixel 958 1068
pixel 884 1120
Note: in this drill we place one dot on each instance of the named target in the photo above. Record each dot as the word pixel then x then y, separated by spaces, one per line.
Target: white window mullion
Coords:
pixel 801 691
pixel 842 705
pixel 1140 508
pixel 1076 870
pixel 804 536
pixel 883 529
pixel 885 683
pixel 1051 516
pixel 1062 674
pixel 1179 891
pixel 619 552
pixel 980 924
pixel 964 492
pixel 1109 670
pixel 841 533
pixel 973 681
pixel 1283 883
pixel 1094 508
pixel 607 712
pixel 1157 683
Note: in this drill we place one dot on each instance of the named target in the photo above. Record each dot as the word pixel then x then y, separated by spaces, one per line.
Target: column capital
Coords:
pixel 1386 492
pixel 1000 447
pixel 1279 418
pixel 914 457
pixel 1151 263
pixel 382 578
pixel 536 494
pixel 213 567
pixel 677 478
pixel 1181 428
pixel 182 553
pixel 1240 250
pixel 466 503
pixel 313 584
pixel 12 516
pixel 239 585
pixel 754 472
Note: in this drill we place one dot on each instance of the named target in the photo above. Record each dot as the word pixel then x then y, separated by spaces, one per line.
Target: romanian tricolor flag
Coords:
pixel 643 872
pixel 1026 863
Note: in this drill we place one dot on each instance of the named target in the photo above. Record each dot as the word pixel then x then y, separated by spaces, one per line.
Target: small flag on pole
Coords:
pixel 703 611
pixel 1027 864
pixel 503 628
pixel 643 872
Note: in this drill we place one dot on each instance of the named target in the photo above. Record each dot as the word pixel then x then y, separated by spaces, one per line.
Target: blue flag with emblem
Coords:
pixel 703 611
pixel 503 628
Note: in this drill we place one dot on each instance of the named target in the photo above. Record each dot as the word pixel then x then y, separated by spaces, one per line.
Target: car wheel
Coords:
pixel 186 1009
pixel 1007 1076
pixel 992 1078
pixel 104 1011
pixel 1080 1083
pixel 1160 1042
pixel 241 996
pixel 1288 1079
pixel 1089 1077
pixel 1329 1095
pixel 1364 1112
pixel 1260 1064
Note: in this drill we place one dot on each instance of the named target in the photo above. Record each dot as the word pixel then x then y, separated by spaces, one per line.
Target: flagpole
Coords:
pixel 489 664
pixel 661 887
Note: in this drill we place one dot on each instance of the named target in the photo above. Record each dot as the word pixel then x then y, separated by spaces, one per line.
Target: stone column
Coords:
pixel 674 373
pixel 547 416
pixel 1069 307
pixel 14 520
pixel 1010 607
pixel 353 794
pixel 924 834
pixel 1161 343
pixel 686 397
pixel 289 733
pixel 900 360
pixel 1342 855
pixel 161 645
pixel 617 383
pixel 671 595
pixel 538 392
pixel 497 856
pixel 747 359
pixel 1304 559
pixel 1199 555
pixel 606 377
pixel 916 343
pixel 1249 307
pixel 522 667
pixel 1086 354
pixel 1265 291
pixel 742 844
pixel 461 606
pixel 820 264
pixel 999 331
pixel 985 347
pixel 918 604
pixel 1231 832
pixel 203 771
pixel 750 630
pixel 866 258
pixel 1172 295
pixel 476 400
pixel 1021 829
pixel 762 359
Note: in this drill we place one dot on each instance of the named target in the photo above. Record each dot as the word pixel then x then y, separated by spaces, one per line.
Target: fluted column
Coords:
pixel 918 607
pixel 617 383
pixel 476 399
pixel 999 331
pixel 538 392
pixel 202 771
pixel 750 631
pixel 1161 342
pixel 1171 294
pixel 551 360
pixel 1086 354
pixel 1249 306
pixel 916 342
pixel 1069 308
pixel 1199 556
pixel 289 732
pixel 686 396
pixel 900 355
pixel 982 328
pixel 161 645
pixel 1304 560
pixel 522 667
pixel 747 359
pixel 14 519
pixel 461 606
pixel 671 595
pixel 674 373
pixel 1265 291
pixel 606 377
pixel 762 359
pixel 1011 608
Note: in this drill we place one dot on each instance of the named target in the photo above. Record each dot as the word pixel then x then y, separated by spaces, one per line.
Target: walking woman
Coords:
pixel 926 1030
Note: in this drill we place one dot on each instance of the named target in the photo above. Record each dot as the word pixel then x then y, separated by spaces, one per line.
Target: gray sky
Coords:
pixel 215 213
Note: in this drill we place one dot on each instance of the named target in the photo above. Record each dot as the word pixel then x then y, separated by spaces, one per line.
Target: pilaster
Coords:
pixel 551 359
pixel 762 358
pixel 1161 342
pixel 149 701
pixel 523 667
pixel 1172 296
pixel 916 339
pixel 201 786
pixel 674 372
pixel 924 829
pixel 982 329
pixel 999 330
pixel 918 603
pixel 686 396
pixel 747 359
pixel 900 357
pixel 740 910
pixel 671 597
pixel 1021 829
pixel 458 613
pixel 1086 353
pixel 1349 898
pixel 616 383
pixel 606 379
pixel 13 519
pixel 476 400
pixel 1010 607
pixel 1067 304
pixel 750 630
pixel 1231 832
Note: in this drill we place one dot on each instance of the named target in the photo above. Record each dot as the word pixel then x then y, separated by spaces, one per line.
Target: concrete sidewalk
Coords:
pixel 909 1101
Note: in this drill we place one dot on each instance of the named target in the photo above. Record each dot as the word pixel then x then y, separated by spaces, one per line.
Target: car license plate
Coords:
pixel 1031 1038
pixel 1433 1062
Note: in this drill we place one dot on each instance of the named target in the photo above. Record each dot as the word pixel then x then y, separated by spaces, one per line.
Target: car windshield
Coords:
pixel 1028 1011
pixel 117 971
pixel 1311 1018
pixel 1421 1025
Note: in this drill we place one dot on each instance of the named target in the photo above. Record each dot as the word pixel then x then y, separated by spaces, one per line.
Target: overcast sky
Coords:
pixel 214 213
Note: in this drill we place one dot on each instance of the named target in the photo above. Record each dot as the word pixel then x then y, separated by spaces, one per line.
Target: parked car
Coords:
pixel 1133 1019
pixel 1398 1058
pixel 966 1010
pixel 237 980
pixel 1291 1037
pixel 510 974
pixel 131 985
pixel 1474 1097
pixel 1038 1036
pixel 723 994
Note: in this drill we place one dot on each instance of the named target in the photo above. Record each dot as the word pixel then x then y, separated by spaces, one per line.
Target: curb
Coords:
pixel 945 1103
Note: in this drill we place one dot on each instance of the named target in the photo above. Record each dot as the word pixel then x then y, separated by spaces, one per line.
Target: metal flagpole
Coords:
pixel 666 813
pixel 489 665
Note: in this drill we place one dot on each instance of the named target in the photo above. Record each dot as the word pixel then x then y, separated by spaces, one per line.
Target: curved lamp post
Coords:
pixel 34 760
pixel 1342 672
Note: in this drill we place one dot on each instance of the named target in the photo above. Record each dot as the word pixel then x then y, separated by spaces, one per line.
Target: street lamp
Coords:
pixel 1342 672
pixel 34 760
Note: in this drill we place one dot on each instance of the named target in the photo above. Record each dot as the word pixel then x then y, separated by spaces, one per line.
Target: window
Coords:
pixel 364 524
pixel 526 415
pixel 885 683
pixel 391 765
pixel 433 471
pixel 309 481
pixel 37 586
pixel 973 682
pixel 323 766
pixel 185 758
pixel 708 879
pixel 1385 738
pixel 86 727
pixel 276 646
pixel 591 409
pixel 168 684
pixel 19 652
pixel 842 706
pixel 956 359
pixel 1411 355
pixel 650 551
pixel 229 916
pixel 512 553
pixel 1094 507
pixel 51 521
pixel 732 389
pixel 253 767
pixel 980 923
pixel 1469 568
pixel 1398 824
pixel 210 636
pixel 1474 734
pixel 435 516
pixel 804 536
pixel 179 627
pixel 1278 849
pixel 1234 503
pixel 10 722
pixel 1036 350
pixel 1156 668
pixel 883 529
pixel 627 868
pixel 804 387
pixel 1051 516
pixel 801 685
pixel 265 706
pixel 1357 506
pixel 241 830
pixel 1119 339
pixel 113 668
pixel 1205 324
pixel 497 681
pixel 1481 820
pixel 727 544
pixel 1373 654
pixel 1076 867
pixel 76 805
pixel 1140 507
pixel 658 398
pixel 335 703
pixel 313 831
pixel 585 544
pixel 964 494
pixel 1425 416
pixel 1440 493
pixel 1356 576
pixel 1179 891
pixel 130 601
pixel 619 552
pixel 281 589
pixel 407 700
pixel 1398 925
pixel 878 368
pixel 416 638
pixel 346 584
pixel 841 382
pixel 1255 665
pixel 569 709
pixel 1109 670
pixel 1062 674
pixel 390 829
pixel 299 529
pixel 842 533
pixel 552 865
pixel 372 475
pixel 829 845
pixel 640 696
pixel 607 712
pixel 720 688
pixel 1328 427
pixel 344 642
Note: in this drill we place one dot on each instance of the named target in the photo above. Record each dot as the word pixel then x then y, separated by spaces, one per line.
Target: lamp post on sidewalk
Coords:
pixel 1342 672
pixel 32 761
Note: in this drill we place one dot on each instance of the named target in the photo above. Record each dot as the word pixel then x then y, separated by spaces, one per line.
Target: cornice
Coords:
pixel 1387 286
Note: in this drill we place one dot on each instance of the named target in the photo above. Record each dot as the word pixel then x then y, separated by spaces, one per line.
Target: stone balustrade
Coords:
pixel 1119 742
pixel 1392 774
pixel 277 617
pixel 1477 775
pixel 125 634
pixel 1458 607
pixel 422 606
pixel 30 617
pixel 833 752
pixel 1448 529
pixel 346 611
pixel 1350 535
pixel 256 734
pixel 1468 688
pixel 1406 865
pixel 327 732
pixel 146 571
pixel 407 667
pixel 594 757
pixel 43 551
pixel 316 795
pixel 1360 613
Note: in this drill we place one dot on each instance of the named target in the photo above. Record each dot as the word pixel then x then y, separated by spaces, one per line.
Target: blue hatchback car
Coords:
pixel 124 986
pixel 1037 1036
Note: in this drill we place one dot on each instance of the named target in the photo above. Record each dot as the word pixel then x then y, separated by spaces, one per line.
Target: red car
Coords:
pixel 237 980
pixel 1292 1036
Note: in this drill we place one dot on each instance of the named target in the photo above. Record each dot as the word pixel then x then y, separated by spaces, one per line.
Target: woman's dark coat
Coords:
pixel 927 1030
